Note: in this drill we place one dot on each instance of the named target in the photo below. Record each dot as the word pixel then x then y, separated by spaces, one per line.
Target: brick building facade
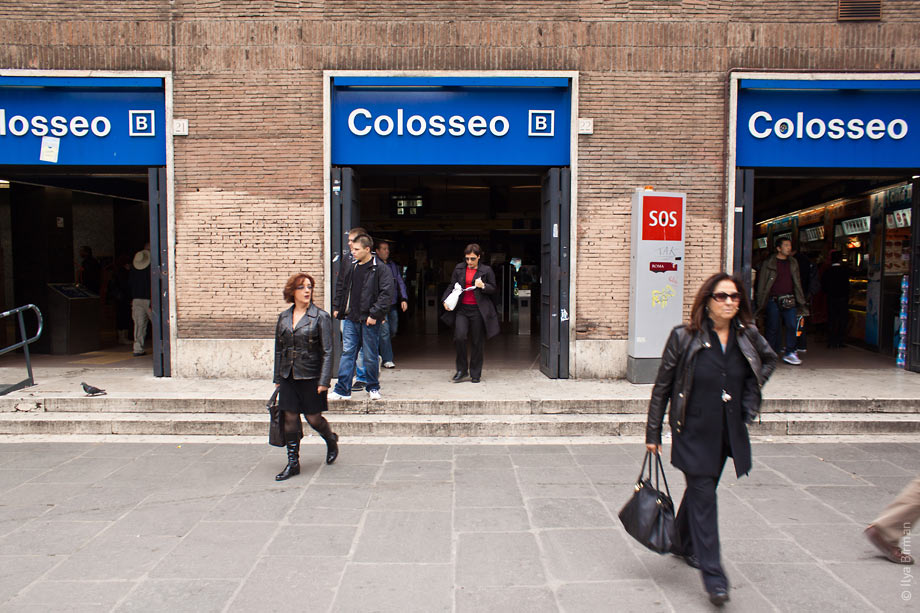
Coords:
pixel 249 196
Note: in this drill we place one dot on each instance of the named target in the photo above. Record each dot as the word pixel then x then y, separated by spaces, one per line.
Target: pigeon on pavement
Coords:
pixel 92 391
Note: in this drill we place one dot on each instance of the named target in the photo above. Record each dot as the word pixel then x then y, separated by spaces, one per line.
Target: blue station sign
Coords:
pixel 828 123
pixel 105 121
pixel 514 121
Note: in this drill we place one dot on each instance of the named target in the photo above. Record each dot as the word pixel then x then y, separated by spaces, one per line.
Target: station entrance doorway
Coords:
pixel 520 218
pixel 70 237
pixel 857 221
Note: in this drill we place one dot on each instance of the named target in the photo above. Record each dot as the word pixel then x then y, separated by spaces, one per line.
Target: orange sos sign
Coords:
pixel 662 218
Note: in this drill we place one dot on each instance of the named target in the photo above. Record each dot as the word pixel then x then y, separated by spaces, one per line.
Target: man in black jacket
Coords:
pixel 363 295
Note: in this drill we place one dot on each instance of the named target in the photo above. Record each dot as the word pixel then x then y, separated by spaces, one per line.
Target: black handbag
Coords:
pixel 649 515
pixel 276 422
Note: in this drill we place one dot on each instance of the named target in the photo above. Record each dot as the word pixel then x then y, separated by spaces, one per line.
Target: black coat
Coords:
pixel 307 350
pixel 674 386
pixel 377 295
pixel 483 300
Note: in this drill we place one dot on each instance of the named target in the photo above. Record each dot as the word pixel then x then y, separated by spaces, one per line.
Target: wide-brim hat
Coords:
pixel 142 259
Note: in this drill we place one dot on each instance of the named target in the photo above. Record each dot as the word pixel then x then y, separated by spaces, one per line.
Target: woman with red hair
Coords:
pixel 303 370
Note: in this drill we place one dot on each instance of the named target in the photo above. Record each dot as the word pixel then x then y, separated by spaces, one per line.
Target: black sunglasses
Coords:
pixel 723 296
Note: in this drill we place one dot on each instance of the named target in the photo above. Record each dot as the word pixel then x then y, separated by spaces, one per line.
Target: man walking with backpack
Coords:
pixel 780 298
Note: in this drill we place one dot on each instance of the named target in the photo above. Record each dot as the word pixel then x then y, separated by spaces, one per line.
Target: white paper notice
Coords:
pixel 50 147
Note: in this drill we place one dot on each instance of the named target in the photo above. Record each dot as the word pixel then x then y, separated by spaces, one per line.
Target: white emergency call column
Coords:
pixel 656 280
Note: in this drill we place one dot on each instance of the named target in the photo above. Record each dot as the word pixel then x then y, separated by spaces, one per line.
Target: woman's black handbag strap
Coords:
pixel 271 401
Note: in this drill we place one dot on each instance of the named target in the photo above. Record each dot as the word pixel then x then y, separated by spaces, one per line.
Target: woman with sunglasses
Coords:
pixel 712 371
pixel 474 316
pixel 303 369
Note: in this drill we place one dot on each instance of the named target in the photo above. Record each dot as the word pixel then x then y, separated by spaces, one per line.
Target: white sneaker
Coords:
pixel 374 394
pixel 335 396
pixel 792 358
pixel 389 365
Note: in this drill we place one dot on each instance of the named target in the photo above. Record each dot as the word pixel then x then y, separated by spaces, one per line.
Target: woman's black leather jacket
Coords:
pixel 675 375
pixel 307 351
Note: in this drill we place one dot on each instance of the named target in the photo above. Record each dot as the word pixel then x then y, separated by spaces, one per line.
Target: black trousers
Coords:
pixel 469 324
pixel 838 314
pixel 697 524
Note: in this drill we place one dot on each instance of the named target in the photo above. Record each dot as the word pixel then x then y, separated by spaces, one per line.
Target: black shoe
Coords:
pixel 458 377
pixel 332 448
pixel 357 386
pixel 293 465
pixel 691 561
pixel 475 379
pixel 718 597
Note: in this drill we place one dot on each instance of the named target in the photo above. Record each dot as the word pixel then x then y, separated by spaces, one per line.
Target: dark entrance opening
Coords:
pixel 865 216
pixel 49 218
pixel 519 217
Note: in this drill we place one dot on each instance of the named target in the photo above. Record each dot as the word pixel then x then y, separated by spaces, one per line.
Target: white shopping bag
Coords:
pixel 450 303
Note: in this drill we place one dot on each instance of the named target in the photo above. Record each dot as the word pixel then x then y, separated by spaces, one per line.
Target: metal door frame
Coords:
pixel 159 272
pixel 913 305
pixel 554 273
pixel 345 214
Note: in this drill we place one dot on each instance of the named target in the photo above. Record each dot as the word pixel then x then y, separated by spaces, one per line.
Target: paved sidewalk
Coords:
pixel 154 526
pixel 788 382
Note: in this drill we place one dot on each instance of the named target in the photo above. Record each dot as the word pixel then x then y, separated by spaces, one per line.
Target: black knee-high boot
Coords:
pixel 293 465
pixel 319 423
pixel 332 447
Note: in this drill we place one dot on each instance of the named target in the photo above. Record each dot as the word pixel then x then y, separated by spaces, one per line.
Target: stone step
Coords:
pixel 350 424
pixel 603 406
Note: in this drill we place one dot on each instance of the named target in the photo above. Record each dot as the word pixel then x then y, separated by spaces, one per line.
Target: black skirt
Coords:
pixel 300 396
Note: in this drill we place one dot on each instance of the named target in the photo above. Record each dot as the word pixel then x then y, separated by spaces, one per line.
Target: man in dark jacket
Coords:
pixel 363 295
pixel 836 285
pixel 781 299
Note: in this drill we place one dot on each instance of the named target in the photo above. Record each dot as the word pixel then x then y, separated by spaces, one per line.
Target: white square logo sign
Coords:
pixel 541 123
pixel 141 123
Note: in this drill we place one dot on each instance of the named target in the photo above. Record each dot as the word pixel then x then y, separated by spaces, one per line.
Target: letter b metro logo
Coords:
pixel 141 123
pixel 541 123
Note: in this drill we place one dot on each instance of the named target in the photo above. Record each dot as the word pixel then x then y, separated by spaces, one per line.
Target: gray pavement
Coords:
pixel 448 526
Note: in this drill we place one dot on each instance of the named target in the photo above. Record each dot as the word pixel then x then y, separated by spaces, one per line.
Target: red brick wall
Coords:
pixel 248 76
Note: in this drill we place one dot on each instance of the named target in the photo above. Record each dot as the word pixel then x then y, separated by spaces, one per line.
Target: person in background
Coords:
pixel 119 292
pixel 90 273
pixel 836 285
pixel 140 297
pixel 363 295
pixel 475 315
pixel 711 374
pixel 781 299
pixel 895 523
pixel 303 370
pixel 391 323
pixel 807 274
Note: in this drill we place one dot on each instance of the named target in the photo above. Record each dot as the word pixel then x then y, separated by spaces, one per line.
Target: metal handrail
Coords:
pixel 24 343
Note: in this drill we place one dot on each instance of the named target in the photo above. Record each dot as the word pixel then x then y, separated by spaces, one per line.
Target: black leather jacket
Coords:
pixel 307 350
pixel 675 375
pixel 377 295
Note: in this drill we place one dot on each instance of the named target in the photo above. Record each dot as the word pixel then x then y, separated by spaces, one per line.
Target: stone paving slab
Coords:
pixel 395 526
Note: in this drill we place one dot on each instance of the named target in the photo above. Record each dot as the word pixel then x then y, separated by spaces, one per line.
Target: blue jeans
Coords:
pixel 387 332
pixel 776 316
pixel 355 337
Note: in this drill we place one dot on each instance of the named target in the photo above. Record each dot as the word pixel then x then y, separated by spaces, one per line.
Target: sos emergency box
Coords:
pixel 656 281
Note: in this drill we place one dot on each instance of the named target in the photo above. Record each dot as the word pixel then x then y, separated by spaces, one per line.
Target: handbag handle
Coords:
pixel 660 468
pixel 271 401
pixel 642 470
